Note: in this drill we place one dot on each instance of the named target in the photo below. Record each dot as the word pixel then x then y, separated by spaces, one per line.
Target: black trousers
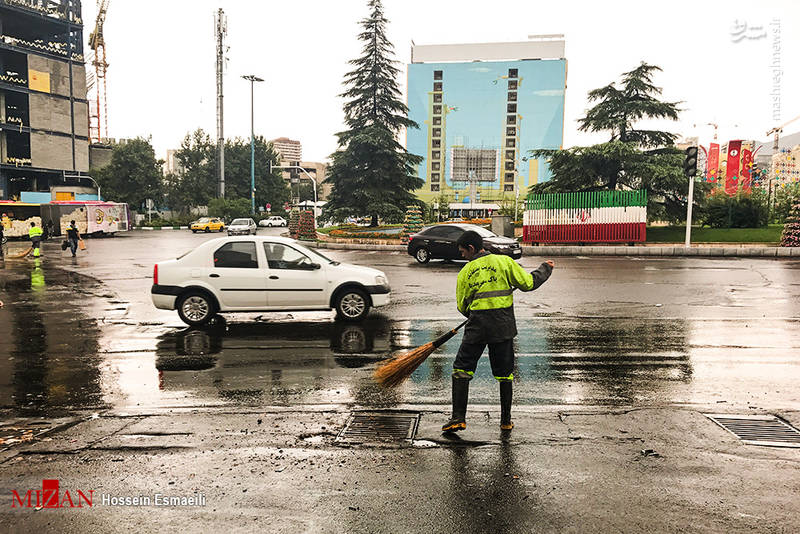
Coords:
pixel 501 358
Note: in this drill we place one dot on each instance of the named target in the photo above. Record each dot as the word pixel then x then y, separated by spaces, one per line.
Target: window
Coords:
pixel 508 187
pixel 281 256
pixel 511 108
pixel 511 131
pixel 434 187
pixel 512 85
pixel 437 86
pixel 509 165
pixel 437 121
pixel 509 177
pixel 451 232
pixel 437 132
pixel 511 143
pixel 437 75
pixel 434 177
pixel 511 119
pixel 510 154
pixel 436 166
pixel 512 96
pixel 437 110
pixel 437 97
pixel 435 154
pixel 512 73
pixel 436 143
pixel 237 254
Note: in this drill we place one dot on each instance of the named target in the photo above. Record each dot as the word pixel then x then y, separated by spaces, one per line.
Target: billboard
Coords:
pixel 478 122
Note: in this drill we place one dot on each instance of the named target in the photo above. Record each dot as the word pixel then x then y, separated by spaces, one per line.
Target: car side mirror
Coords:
pixel 315 266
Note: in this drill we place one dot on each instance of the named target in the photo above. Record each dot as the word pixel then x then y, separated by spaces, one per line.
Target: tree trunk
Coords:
pixel 374 221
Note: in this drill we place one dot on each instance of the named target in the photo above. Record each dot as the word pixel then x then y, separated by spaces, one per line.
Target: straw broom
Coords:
pixel 394 371
pixel 21 254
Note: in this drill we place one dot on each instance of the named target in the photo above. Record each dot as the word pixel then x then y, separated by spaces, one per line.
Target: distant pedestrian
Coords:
pixel 73 236
pixel 2 236
pixel 35 234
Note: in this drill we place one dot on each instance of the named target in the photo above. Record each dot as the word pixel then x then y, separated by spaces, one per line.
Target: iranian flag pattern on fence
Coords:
pixel 592 217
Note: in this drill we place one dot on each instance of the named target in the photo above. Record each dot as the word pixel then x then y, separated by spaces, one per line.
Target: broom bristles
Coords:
pixel 395 371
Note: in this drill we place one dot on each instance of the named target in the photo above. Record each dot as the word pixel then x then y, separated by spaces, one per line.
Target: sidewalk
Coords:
pixel 666 249
pixel 575 469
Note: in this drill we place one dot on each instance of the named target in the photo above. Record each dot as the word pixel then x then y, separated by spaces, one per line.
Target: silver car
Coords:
pixel 242 227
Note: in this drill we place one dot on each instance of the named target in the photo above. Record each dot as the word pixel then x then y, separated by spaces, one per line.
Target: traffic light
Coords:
pixel 690 163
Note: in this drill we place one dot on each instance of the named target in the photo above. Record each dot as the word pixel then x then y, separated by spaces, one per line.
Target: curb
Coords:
pixel 728 252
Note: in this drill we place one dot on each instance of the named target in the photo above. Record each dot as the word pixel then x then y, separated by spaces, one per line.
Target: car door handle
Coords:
pixel 213 276
pixel 273 277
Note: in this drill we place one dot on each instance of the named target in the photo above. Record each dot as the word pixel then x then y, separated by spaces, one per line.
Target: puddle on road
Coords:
pixel 64 346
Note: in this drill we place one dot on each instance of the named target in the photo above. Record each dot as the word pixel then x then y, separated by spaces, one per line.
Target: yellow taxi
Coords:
pixel 207 224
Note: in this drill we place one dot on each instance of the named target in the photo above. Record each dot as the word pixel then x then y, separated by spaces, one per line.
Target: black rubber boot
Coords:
pixel 505 405
pixel 460 396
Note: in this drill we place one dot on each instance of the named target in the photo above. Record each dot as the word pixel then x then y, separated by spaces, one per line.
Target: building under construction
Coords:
pixel 44 114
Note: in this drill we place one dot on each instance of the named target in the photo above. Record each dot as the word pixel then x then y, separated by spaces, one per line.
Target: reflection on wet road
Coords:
pixel 69 342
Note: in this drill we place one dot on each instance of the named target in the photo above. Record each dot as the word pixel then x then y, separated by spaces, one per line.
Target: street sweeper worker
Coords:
pixel 484 295
pixel 35 233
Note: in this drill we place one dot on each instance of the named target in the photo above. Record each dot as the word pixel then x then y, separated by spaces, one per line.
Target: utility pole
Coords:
pixel 220 30
pixel 252 78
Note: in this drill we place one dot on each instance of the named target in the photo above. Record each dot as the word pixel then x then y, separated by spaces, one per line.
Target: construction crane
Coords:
pixel 98 45
pixel 777 131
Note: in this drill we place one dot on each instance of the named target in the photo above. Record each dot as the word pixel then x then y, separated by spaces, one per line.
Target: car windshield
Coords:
pixel 313 252
pixel 243 222
pixel 483 232
pixel 203 219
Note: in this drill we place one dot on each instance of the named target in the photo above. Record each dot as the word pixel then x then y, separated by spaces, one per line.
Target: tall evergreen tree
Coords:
pixel 633 158
pixel 371 173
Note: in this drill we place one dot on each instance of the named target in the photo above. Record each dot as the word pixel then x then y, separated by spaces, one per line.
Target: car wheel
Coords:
pixel 196 308
pixel 194 231
pixel 221 229
pixel 422 255
pixel 207 230
pixel 352 305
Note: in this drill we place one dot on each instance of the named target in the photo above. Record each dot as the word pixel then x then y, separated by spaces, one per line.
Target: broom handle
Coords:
pixel 445 338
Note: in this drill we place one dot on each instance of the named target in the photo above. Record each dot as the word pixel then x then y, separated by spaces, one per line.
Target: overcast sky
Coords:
pixel 161 78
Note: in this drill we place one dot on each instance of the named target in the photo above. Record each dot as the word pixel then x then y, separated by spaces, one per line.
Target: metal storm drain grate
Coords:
pixel 370 427
pixel 758 429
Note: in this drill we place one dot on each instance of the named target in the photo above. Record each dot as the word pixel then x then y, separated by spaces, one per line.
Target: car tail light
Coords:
pixel 155 274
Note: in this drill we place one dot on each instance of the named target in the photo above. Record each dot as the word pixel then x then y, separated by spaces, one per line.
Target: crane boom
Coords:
pixel 98 45
pixel 777 131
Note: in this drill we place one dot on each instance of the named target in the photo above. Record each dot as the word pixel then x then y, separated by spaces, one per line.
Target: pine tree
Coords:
pixel 791 230
pixel 371 173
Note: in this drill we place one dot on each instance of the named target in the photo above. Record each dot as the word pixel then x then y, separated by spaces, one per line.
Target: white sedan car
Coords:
pixel 242 227
pixel 269 222
pixel 249 274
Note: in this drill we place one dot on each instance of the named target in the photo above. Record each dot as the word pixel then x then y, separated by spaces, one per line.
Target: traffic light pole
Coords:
pixel 689 213
pixel 689 170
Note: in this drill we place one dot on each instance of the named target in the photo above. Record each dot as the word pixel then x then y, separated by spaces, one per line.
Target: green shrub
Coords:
pixel 745 210
pixel 229 208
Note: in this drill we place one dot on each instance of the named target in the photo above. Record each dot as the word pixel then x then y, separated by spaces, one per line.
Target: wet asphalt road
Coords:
pixel 618 358
pixel 614 331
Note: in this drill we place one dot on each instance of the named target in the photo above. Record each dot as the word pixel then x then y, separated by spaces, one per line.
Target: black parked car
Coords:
pixel 440 242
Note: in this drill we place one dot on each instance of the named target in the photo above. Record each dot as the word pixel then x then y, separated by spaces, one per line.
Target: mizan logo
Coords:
pixel 50 497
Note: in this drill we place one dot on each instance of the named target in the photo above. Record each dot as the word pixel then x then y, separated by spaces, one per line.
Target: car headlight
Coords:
pixel 381 281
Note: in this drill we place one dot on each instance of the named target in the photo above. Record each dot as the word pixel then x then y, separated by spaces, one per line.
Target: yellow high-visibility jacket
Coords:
pixel 35 231
pixel 484 293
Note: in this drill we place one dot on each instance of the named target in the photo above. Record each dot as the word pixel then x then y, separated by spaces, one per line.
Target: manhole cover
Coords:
pixel 758 429
pixel 370 427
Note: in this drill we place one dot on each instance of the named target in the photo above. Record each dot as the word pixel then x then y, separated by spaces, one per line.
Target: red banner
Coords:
pixel 732 169
pixel 713 162
pixel 747 165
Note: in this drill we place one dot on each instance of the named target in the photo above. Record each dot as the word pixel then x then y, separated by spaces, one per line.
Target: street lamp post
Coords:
pixel 252 79
pixel 313 183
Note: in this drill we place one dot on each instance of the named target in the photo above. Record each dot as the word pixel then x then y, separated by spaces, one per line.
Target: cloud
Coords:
pixel 549 92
